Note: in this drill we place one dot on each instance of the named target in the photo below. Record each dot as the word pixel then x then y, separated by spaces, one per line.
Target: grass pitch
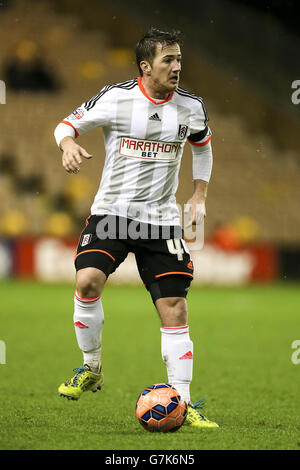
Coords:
pixel 242 347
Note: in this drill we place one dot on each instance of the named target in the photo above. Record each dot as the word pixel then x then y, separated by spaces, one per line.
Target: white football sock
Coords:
pixel 88 321
pixel 177 354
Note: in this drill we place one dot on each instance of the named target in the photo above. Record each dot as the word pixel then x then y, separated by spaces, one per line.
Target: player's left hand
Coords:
pixel 194 211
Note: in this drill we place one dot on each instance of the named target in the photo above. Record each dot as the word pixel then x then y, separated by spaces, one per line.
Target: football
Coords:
pixel 159 408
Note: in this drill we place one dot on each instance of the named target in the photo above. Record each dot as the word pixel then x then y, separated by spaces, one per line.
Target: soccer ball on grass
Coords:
pixel 160 408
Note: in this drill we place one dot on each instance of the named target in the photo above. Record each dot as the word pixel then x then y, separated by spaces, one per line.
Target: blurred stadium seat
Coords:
pixel 59 224
pixel 25 69
pixel 14 223
pixel 91 70
pixel 121 57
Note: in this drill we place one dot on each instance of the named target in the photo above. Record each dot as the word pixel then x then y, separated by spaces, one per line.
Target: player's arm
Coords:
pixel 91 114
pixel 72 154
pixel 202 167
pixel 65 134
pixel 195 206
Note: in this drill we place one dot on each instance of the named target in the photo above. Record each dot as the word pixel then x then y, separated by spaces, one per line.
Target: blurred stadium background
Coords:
pixel 241 57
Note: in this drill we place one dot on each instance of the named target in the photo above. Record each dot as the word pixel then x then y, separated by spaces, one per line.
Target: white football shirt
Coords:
pixel 144 141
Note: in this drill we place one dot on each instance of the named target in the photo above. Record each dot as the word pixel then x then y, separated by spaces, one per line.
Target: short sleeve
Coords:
pixel 95 112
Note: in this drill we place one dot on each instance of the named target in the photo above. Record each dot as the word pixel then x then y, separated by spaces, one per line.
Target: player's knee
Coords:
pixel 89 283
pixel 87 288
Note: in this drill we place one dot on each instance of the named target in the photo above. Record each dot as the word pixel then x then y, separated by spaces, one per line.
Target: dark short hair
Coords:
pixel 146 47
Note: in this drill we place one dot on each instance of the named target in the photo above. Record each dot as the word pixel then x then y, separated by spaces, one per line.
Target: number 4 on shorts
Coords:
pixel 175 247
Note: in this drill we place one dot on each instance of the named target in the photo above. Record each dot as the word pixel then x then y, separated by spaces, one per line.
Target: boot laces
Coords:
pixel 78 372
pixel 199 404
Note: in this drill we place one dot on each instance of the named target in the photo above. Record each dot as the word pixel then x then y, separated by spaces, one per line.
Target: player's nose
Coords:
pixel 176 67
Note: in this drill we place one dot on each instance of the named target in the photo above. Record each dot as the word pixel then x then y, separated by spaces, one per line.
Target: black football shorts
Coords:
pixel 162 257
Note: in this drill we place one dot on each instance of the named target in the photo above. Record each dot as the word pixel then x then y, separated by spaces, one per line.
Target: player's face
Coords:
pixel 166 66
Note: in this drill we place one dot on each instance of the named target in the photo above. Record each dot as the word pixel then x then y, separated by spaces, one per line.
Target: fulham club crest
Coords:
pixel 182 130
pixel 86 239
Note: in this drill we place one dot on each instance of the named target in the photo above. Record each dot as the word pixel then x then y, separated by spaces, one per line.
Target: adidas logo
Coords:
pixel 188 355
pixel 80 325
pixel 154 117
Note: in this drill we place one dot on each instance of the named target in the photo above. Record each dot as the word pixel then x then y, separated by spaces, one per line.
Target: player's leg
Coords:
pixel 88 321
pixel 167 271
pixel 176 344
pixel 95 260
pixel 89 315
pixel 177 353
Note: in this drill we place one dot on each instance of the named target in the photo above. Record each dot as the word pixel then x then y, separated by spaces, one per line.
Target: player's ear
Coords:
pixel 146 67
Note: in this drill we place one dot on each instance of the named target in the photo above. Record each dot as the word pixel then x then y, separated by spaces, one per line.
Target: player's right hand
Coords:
pixel 72 155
